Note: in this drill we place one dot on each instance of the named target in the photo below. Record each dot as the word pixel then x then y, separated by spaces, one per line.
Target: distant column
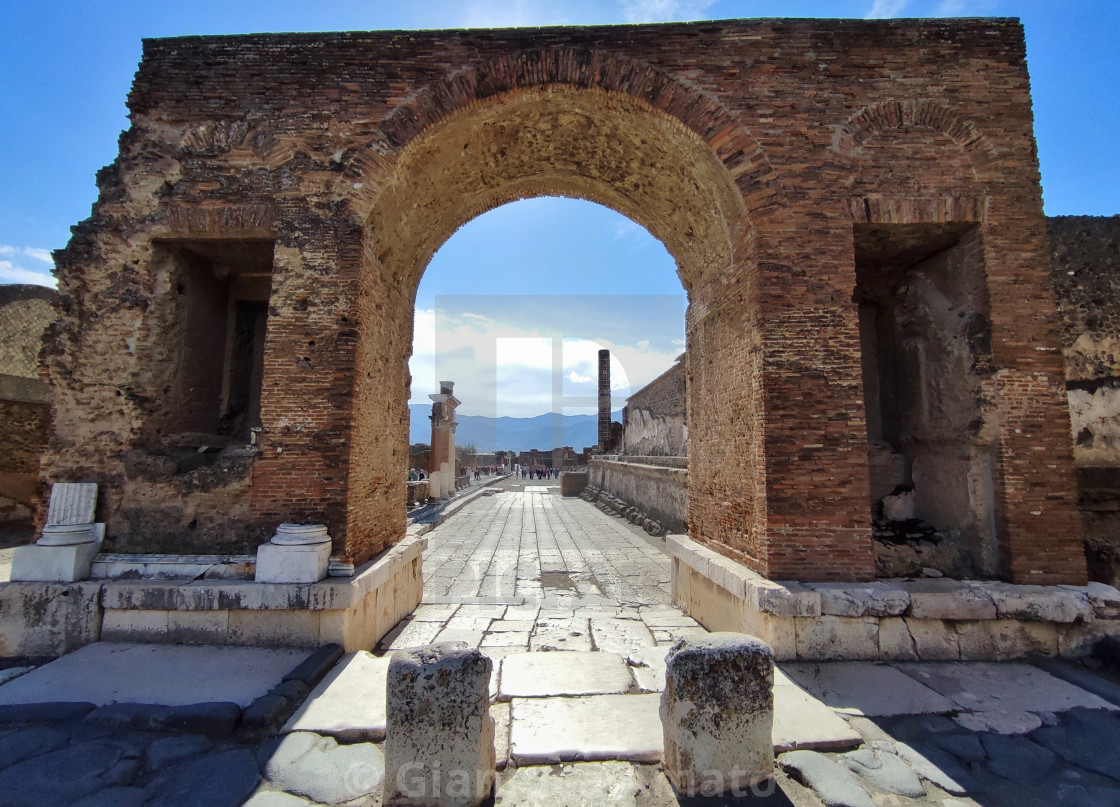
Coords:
pixel 604 400
pixel 441 465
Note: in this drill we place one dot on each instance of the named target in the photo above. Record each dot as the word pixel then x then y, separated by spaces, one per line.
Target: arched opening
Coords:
pixel 514 308
pixel 557 140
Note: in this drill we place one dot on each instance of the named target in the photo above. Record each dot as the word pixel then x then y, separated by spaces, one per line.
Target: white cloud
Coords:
pixel 887 8
pixel 22 265
pixel 43 255
pixel 503 370
pixel 664 10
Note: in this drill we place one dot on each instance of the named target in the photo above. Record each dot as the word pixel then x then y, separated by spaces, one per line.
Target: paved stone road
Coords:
pixel 521 571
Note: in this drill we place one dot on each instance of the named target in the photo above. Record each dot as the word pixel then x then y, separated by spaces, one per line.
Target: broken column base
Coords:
pixel 891 620
pixel 298 553
pixel 60 563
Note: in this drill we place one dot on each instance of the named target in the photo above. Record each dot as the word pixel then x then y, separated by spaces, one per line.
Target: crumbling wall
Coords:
pixel 654 421
pixel 25 410
pixel 1085 266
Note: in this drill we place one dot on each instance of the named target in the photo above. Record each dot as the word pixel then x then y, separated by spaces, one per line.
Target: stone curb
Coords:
pixel 943 599
pixel 211 719
pixel 44 712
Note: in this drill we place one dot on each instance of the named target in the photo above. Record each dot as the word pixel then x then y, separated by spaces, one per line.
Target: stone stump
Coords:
pixel 439 743
pixel 717 712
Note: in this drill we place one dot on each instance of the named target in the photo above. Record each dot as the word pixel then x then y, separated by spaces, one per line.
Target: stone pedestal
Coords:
pixel 717 713
pixel 439 744
pixel 63 554
pixel 297 553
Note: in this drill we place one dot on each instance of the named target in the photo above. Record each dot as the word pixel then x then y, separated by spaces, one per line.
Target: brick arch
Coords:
pixel 739 152
pixel 481 139
pixel 882 118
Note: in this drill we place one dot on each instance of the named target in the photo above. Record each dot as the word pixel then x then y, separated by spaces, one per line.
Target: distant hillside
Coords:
pixel 512 434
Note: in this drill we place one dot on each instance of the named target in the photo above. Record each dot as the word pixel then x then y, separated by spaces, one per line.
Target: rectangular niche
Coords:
pixel 926 353
pixel 221 289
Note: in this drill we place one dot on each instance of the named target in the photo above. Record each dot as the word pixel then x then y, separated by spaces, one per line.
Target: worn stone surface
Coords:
pixel 538 675
pixel 802 721
pixel 595 727
pixel 717 711
pixel 439 745
pixel 867 689
pixel 1005 687
pixel 170 675
pixel 223 779
pixel 317 767
pixel 835 786
pixel 68 774
pixel 871 599
pixel 349 703
pixel 885 771
pixel 611 784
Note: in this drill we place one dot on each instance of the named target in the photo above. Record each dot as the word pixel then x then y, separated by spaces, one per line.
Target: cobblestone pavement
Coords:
pixel 573 607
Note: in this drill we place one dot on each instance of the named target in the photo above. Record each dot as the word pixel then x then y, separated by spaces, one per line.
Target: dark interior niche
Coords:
pixel 926 354
pixel 221 289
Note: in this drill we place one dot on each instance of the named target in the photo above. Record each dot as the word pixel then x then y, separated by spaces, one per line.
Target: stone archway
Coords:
pixel 557 139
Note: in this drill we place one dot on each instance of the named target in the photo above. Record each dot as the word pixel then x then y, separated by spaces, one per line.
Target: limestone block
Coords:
pixel 439 744
pixel 1039 603
pixel 934 640
pixel 1105 600
pixel 713 606
pixel 134 626
pixel 783 599
pixel 681 583
pixel 1002 639
pixel 300 563
pixel 835 638
pixel 717 712
pixel 274 628
pixel 866 599
pixel 779 632
pixel 895 641
pixel 48 619
pixel 197 627
pixel 948 599
pixel 1079 638
pixel 54 564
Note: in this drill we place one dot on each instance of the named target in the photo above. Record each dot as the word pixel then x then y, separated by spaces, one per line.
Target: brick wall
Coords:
pixel 655 418
pixel 749 148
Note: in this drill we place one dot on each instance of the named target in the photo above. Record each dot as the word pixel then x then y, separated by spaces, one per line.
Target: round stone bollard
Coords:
pixel 717 713
pixel 439 736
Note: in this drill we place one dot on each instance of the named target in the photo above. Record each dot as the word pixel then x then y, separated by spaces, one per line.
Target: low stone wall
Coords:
pixel 657 492
pixel 573 483
pixel 891 620
pixel 50 619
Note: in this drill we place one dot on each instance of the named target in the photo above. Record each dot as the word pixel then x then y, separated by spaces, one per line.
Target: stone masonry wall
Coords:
pixel 25 411
pixel 1085 266
pixel 655 418
pixel 751 149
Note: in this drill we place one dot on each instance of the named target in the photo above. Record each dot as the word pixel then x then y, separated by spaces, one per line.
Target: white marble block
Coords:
pixel 717 713
pixel 72 503
pixel 58 562
pixel 439 743
pixel 297 553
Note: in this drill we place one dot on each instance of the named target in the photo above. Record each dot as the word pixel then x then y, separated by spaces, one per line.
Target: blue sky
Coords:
pixel 66 67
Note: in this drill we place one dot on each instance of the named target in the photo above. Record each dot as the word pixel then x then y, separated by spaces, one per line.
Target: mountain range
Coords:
pixel 488 434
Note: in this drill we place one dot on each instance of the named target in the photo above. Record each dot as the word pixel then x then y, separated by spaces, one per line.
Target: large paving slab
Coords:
pixel 802 721
pixel 166 674
pixel 562 673
pixel 866 688
pixel 1002 688
pixel 603 784
pixel 596 727
pixel 349 703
